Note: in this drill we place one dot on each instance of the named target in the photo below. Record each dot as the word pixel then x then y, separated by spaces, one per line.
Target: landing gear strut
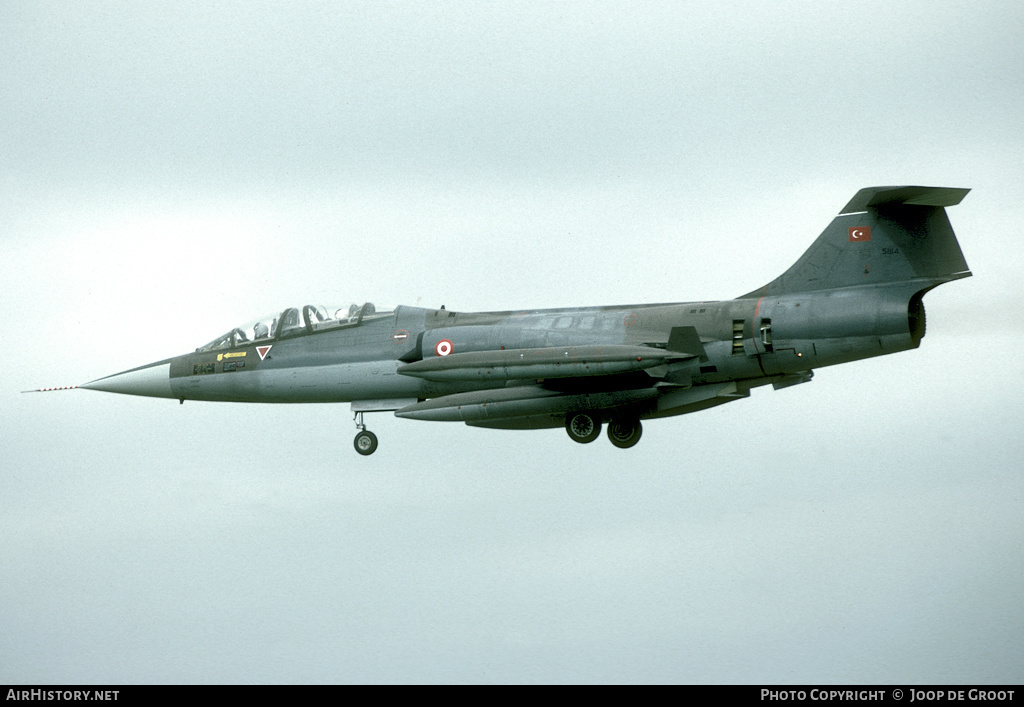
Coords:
pixel 365 441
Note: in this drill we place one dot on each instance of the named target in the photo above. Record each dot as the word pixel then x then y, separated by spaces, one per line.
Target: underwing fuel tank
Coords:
pixel 552 362
pixel 521 401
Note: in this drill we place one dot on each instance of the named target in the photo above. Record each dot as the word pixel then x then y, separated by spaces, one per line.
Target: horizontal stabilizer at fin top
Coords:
pixel 912 196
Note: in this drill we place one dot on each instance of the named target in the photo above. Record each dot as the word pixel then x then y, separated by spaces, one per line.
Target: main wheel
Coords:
pixel 366 442
pixel 624 433
pixel 582 427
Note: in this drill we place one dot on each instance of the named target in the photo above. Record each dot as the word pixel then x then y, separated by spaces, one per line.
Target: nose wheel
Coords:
pixel 365 441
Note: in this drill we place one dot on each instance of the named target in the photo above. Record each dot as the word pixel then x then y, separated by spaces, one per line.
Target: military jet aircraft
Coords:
pixel 857 292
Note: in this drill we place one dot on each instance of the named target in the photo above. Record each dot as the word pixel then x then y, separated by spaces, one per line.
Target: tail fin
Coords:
pixel 885 234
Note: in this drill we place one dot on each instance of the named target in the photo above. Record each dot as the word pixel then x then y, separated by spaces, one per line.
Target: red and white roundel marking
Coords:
pixel 443 347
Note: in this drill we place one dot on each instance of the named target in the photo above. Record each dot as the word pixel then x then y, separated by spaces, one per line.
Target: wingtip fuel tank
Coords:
pixel 539 363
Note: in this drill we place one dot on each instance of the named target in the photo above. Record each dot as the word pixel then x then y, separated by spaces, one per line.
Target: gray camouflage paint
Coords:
pixel 856 293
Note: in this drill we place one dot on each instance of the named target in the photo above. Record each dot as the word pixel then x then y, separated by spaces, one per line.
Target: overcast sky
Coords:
pixel 169 171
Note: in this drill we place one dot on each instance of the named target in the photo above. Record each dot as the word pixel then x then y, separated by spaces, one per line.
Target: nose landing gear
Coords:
pixel 365 441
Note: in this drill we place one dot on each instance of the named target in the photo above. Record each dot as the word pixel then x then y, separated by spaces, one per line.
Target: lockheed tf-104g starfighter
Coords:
pixel 857 292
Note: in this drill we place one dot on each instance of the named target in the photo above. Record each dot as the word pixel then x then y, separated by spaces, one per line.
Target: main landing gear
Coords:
pixel 625 432
pixel 582 427
pixel 365 441
pixel 585 427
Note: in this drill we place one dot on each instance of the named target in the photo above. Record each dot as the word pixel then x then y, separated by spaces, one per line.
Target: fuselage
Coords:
pixel 751 341
pixel 855 293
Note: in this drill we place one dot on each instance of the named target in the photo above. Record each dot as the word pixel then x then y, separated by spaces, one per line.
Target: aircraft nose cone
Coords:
pixel 153 380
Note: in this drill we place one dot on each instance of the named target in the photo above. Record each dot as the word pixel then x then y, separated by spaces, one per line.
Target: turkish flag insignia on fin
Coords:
pixel 860 233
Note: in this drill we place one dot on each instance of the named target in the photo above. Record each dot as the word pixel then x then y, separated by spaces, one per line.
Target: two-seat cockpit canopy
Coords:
pixel 295 321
